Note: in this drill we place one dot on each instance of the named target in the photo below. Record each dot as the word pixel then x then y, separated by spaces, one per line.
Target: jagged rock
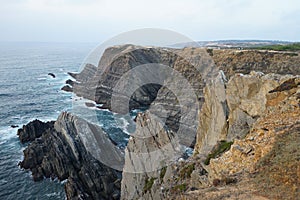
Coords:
pixel 67 88
pixel 231 108
pixel 213 116
pixel 61 152
pixel 278 118
pixel 263 165
pixel 194 64
pixel 88 72
pixel 149 150
pixel 112 83
pixel 246 99
pixel 33 130
pixel 70 82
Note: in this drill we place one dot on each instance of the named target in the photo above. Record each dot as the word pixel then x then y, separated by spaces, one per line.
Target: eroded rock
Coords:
pixel 60 152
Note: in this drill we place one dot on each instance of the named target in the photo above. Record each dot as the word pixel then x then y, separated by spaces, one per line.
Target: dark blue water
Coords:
pixel 27 93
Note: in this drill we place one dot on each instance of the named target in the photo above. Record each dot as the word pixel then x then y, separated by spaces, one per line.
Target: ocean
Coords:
pixel 27 92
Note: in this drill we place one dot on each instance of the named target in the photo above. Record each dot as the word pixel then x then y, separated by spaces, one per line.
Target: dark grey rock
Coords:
pixel 58 152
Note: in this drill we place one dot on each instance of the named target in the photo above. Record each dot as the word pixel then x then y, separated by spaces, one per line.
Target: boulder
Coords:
pixel 67 88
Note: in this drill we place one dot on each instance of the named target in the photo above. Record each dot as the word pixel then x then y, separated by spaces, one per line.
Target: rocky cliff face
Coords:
pixel 255 116
pixel 229 113
pixel 149 150
pixel 59 151
pixel 197 66
pixel 132 77
pixel 262 161
pixel 264 164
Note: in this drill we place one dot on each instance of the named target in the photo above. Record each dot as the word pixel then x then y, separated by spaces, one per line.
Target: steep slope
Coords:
pixel 261 162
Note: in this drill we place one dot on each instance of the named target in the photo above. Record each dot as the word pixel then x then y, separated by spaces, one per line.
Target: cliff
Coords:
pixel 259 161
pixel 149 149
pixel 265 163
pixel 59 152
pixel 119 79
pixel 243 126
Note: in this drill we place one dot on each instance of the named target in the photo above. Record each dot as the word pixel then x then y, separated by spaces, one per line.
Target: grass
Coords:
pixel 148 184
pixel 221 147
pixel 180 188
pixel 186 171
pixel 162 173
pixel 287 47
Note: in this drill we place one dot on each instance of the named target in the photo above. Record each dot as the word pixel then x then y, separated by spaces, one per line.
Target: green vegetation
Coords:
pixel 148 184
pixel 186 171
pixel 181 187
pixel 221 147
pixel 210 52
pixel 163 172
pixel 287 47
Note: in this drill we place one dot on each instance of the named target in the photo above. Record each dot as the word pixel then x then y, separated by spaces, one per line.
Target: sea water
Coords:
pixel 27 92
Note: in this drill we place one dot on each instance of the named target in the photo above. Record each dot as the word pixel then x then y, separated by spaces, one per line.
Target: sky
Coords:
pixel 99 20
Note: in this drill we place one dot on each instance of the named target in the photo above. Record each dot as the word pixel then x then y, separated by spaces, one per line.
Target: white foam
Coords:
pixel 7 133
pixel 41 79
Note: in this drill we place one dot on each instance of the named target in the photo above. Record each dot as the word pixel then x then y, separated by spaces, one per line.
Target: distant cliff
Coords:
pixel 196 65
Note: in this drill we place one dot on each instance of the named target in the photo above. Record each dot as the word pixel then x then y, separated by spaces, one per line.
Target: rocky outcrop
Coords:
pixel 60 151
pixel 229 113
pixel 149 151
pixel 105 83
pixel 261 165
pixel 52 75
pixel 33 130
pixel 213 116
pixel 88 71
pixel 179 71
pixel 278 118
pixel 266 159
pixel 67 88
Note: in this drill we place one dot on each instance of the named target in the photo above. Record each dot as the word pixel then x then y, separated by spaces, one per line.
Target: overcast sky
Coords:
pixel 98 20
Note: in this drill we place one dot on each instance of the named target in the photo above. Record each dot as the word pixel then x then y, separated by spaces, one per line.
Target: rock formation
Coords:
pixel 58 151
pixel 245 61
pixel 149 150
pixel 229 114
pixel 196 65
pixel 267 144
pixel 121 84
pixel 33 130
pixel 244 125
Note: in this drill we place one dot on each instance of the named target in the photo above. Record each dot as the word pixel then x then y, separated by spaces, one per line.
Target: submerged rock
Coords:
pixel 67 88
pixel 52 75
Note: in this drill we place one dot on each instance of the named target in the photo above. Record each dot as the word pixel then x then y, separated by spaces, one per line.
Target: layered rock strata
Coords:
pixel 58 151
